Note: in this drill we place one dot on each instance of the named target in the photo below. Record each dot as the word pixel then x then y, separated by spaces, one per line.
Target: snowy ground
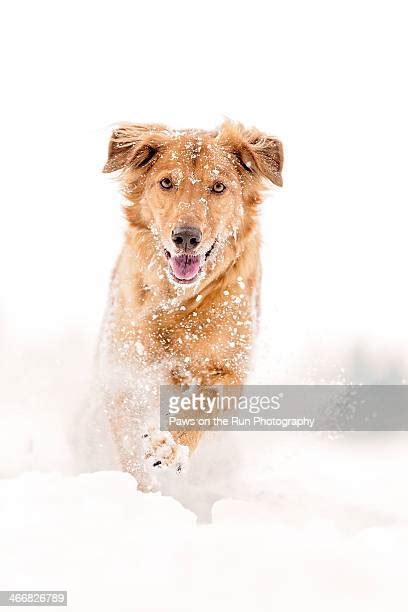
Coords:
pixel 113 548
pixel 261 520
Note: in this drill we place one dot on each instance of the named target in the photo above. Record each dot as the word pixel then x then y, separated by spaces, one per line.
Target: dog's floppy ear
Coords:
pixel 256 152
pixel 133 145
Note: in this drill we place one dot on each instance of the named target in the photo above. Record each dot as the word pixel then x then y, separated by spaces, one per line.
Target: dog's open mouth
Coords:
pixel 185 268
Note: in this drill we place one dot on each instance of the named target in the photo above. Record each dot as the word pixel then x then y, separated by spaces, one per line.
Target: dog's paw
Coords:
pixel 161 451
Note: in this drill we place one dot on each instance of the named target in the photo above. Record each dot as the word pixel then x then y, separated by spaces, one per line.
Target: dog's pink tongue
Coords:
pixel 185 267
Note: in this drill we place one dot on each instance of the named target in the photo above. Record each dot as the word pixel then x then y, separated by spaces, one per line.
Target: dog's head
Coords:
pixel 195 191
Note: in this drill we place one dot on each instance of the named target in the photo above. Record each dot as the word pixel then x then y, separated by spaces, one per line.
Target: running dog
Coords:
pixel 184 293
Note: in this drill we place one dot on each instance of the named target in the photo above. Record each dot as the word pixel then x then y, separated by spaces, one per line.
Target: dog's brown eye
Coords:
pixel 218 187
pixel 166 183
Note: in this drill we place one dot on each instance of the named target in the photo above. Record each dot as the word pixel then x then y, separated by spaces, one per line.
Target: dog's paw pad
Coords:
pixel 161 451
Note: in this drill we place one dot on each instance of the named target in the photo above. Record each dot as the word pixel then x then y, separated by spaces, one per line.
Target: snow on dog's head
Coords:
pixel 195 193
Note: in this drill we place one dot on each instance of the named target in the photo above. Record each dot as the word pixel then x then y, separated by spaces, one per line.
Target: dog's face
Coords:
pixel 195 191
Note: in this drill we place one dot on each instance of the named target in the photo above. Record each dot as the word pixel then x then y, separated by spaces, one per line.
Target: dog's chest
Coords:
pixel 216 332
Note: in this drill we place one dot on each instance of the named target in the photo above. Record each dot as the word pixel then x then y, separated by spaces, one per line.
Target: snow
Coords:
pixel 258 521
pixel 113 548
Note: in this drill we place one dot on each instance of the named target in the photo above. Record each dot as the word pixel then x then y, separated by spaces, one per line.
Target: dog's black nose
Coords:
pixel 186 237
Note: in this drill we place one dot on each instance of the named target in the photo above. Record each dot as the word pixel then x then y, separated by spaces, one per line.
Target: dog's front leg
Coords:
pixel 190 439
pixel 211 376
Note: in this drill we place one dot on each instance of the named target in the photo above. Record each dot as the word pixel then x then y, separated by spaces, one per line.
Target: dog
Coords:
pixel 185 290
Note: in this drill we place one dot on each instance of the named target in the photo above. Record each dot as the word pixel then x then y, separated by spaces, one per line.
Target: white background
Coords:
pixel 329 79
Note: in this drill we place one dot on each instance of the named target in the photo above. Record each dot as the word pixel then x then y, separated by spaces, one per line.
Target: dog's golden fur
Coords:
pixel 201 331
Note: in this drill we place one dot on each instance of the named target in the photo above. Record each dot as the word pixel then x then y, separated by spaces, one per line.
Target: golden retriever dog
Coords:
pixel 184 293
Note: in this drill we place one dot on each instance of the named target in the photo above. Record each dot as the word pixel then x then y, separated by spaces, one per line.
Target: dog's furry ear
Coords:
pixel 256 152
pixel 134 145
